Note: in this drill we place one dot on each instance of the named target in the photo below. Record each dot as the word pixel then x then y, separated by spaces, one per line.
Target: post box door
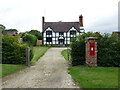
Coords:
pixel 92 49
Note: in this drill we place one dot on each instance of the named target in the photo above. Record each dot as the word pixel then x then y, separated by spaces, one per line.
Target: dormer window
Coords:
pixel 48 32
pixel 72 32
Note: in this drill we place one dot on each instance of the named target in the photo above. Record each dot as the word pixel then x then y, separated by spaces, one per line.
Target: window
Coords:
pixel 72 32
pixel 61 33
pixel 48 39
pixel 48 32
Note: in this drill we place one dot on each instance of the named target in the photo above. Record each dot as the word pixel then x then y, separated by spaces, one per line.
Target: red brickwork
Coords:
pixel 91 51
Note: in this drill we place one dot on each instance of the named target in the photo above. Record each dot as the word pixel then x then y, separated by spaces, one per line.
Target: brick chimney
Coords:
pixel 43 21
pixel 81 20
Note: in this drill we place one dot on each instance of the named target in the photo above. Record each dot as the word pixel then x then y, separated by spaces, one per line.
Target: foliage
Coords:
pixel 2 27
pixel 10 68
pixel 108 46
pixel 12 30
pixel 30 39
pixel 36 33
pixel 108 54
pixel 12 52
pixel 95 77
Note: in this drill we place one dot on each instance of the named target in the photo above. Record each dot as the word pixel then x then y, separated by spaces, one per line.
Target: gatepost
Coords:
pixel 91 51
pixel 28 56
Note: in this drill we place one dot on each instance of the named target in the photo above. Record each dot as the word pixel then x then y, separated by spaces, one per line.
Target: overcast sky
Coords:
pixel 25 15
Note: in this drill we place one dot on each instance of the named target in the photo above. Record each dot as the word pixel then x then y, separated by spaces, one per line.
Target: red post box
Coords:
pixel 92 49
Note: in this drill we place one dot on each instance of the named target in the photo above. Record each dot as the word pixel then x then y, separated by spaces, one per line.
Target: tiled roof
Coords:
pixel 61 26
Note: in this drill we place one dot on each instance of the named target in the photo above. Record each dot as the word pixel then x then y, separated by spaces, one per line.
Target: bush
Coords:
pixel 77 53
pixel 12 52
pixel 30 39
pixel 108 49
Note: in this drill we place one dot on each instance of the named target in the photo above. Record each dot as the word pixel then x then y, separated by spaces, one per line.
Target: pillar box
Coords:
pixel 91 51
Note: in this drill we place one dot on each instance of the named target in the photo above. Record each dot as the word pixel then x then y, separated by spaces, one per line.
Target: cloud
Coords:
pixel 99 15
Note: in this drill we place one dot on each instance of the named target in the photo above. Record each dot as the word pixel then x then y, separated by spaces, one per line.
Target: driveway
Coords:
pixel 49 72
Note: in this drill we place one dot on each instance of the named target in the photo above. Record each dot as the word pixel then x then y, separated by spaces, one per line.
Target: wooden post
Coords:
pixel 28 56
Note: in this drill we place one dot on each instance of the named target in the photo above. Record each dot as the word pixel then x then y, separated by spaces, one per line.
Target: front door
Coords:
pixel 61 42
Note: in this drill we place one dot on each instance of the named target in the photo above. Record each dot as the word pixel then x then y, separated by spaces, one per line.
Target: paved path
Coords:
pixel 49 72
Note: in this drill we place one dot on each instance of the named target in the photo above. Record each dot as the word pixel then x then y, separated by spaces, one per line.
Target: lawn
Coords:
pixel 38 52
pixel 94 77
pixel 65 54
pixel 10 68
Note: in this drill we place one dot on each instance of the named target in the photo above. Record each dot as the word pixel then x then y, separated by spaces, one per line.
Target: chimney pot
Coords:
pixel 81 20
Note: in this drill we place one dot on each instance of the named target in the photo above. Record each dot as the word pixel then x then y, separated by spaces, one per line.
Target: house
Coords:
pixel 60 33
pixel 6 32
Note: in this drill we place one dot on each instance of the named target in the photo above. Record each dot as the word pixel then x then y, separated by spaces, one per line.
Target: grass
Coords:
pixel 38 52
pixel 94 77
pixel 65 54
pixel 7 69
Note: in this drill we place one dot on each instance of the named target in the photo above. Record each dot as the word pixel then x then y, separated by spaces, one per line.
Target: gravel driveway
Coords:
pixel 49 72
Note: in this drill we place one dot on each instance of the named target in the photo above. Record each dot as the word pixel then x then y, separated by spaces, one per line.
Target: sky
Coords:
pixel 25 15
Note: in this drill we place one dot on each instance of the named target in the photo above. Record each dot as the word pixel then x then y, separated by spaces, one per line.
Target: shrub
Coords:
pixel 108 49
pixel 108 54
pixel 77 53
pixel 30 39
pixel 12 52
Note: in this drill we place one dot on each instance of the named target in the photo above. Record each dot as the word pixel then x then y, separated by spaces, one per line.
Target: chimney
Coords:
pixel 81 20
pixel 43 21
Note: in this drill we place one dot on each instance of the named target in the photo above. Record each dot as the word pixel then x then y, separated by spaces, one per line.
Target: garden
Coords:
pixel 14 52
pixel 105 75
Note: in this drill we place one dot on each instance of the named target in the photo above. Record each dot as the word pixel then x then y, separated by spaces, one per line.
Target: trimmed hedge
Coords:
pixel 30 39
pixel 108 49
pixel 12 52
pixel 77 52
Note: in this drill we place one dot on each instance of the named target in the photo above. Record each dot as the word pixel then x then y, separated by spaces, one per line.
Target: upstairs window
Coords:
pixel 48 32
pixel 61 33
pixel 48 39
pixel 72 32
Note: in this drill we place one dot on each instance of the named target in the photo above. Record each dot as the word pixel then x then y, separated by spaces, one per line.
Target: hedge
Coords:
pixel 13 52
pixel 108 49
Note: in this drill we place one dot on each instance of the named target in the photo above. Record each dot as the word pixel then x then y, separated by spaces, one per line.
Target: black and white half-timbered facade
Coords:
pixel 60 33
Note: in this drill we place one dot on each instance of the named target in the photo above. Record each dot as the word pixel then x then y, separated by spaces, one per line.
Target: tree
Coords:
pixel 30 39
pixel 12 30
pixel 36 33
pixel 2 27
